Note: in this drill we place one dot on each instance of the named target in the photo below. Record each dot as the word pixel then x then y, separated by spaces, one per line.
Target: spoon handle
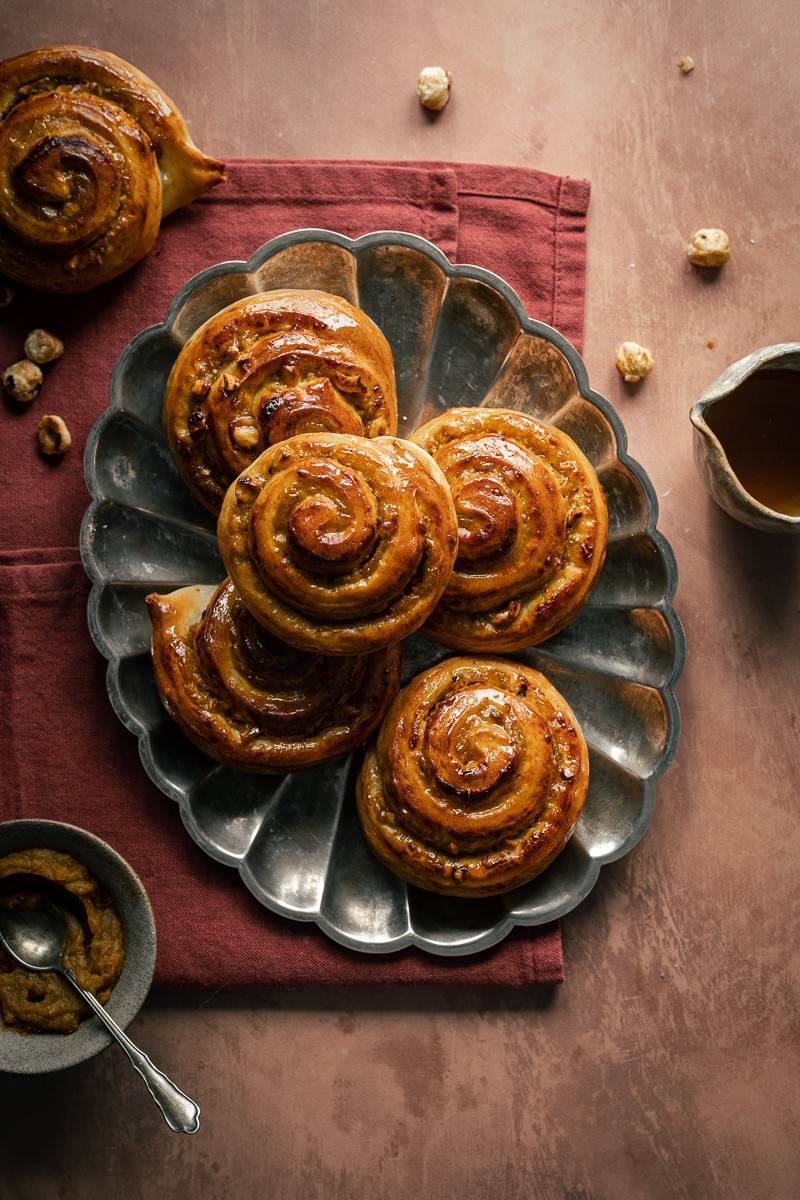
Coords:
pixel 180 1112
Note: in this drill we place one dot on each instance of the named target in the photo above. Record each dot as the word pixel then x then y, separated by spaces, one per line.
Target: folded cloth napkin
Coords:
pixel 64 754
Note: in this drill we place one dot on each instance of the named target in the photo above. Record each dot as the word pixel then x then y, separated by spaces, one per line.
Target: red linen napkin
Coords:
pixel 64 753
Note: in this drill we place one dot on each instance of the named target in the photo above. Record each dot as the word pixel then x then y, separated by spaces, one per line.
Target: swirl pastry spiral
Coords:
pixel 532 528
pixel 266 368
pixel 252 702
pixel 339 544
pixel 92 155
pixel 476 779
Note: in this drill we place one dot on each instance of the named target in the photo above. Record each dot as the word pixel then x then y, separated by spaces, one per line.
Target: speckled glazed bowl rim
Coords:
pixel 357 247
pixel 36 1053
pixel 726 383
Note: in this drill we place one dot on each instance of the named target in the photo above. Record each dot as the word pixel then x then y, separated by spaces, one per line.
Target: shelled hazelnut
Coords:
pixel 22 381
pixel 43 347
pixel 709 248
pixel 433 87
pixel 634 362
pixel 54 437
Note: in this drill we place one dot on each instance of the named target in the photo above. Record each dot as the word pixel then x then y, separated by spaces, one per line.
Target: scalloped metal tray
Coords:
pixel 460 335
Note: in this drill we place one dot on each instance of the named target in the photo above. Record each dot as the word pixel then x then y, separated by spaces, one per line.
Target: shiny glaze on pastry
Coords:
pixel 338 543
pixel 92 155
pixel 476 779
pixel 266 368
pixel 253 702
pixel 532 527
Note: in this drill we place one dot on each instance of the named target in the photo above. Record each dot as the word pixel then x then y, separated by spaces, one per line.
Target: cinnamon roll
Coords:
pixel 476 780
pixel 92 155
pixel 339 544
pixel 253 702
pixel 266 368
pixel 532 528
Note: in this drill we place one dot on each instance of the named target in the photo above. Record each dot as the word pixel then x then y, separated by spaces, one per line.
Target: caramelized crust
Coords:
pixel 252 702
pixel 476 779
pixel 532 528
pixel 266 368
pixel 339 544
pixel 92 155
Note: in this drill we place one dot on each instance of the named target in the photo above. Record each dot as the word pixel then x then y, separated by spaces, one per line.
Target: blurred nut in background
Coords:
pixel 43 347
pixel 54 437
pixel 433 87
pixel 22 380
pixel 634 362
pixel 709 248
pixel 7 292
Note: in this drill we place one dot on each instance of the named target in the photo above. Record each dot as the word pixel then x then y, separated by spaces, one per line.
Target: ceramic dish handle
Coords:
pixel 180 1112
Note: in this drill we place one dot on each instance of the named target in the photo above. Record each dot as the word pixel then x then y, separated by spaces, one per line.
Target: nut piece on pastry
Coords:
pixel 709 248
pixel 92 155
pixel 42 347
pixel 266 368
pixel 532 528
pixel 22 381
pixel 433 87
pixel 339 544
pixel 476 780
pixel 54 437
pixel 634 362
pixel 253 702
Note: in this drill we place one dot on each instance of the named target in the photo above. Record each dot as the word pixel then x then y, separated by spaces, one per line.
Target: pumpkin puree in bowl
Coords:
pixel 41 1001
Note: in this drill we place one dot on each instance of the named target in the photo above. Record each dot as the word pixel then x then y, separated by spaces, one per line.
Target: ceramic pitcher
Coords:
pixel 712 462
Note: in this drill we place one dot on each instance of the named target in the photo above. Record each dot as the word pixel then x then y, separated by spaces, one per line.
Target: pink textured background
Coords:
pixel 666 1069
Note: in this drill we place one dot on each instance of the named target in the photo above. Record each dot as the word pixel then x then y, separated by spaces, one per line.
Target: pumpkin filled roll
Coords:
pixel 266 368
pixel 476 780
pixel 92 155
pixel 532 528
pixel 340 544
pixel 253 702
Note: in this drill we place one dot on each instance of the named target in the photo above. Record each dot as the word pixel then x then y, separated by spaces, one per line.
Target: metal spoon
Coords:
pixel 37 939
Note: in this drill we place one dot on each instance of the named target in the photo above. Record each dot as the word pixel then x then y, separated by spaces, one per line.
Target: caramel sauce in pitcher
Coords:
pixel 758 425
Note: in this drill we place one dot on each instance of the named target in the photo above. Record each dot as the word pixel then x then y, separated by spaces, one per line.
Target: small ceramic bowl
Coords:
pixel 712 462
pixel 32 1053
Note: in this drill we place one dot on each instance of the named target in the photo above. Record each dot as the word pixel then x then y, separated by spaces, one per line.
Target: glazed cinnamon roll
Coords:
pixel 266 368
pixel 532 528
pixel 92 155
pixel 253 702
pixel 339 544
pixel 476 780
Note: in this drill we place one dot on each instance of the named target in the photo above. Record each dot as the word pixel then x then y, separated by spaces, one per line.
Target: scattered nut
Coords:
pixel 686 64
pixel 22 380
pixel 54 437
pixel 433 87
pixel 7 292
pixel 43 347
pixel 634 362
pixel 710 344
pixel 709 248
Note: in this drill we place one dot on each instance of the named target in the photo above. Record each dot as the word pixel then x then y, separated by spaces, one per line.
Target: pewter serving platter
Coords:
pixel 460 335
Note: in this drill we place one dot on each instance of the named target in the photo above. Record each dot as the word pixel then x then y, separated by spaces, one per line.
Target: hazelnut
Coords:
pixel 686 64
pixel 7 292
pixel 709 248
pixel 54 437
pixel 244 433
pixel 22 380
pixel 433 87
pixel 43 347
pixel 634 362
